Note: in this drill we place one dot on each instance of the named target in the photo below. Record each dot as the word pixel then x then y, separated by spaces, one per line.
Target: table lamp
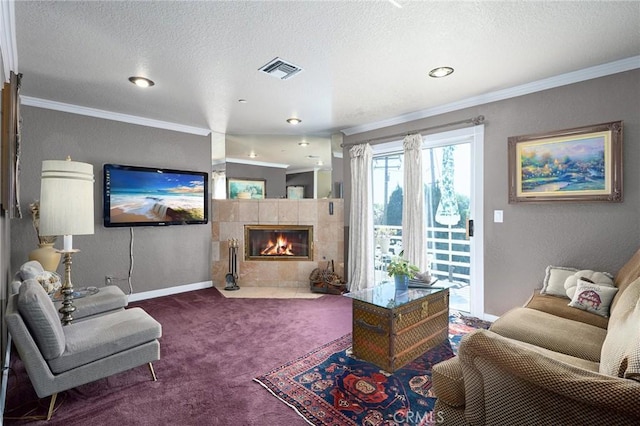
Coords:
pixel 66 208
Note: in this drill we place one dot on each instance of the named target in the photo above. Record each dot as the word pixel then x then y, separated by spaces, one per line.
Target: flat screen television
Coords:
pixel 144 196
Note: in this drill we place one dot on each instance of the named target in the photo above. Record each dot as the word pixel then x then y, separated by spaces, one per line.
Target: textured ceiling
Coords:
pixel 363 61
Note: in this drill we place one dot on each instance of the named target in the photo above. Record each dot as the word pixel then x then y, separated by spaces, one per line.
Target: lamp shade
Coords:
pixel 66 198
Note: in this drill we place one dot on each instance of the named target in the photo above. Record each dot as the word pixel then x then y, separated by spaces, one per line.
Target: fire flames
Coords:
pixel 280 248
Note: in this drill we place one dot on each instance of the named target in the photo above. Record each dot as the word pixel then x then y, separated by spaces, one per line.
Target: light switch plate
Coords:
pixel 497 216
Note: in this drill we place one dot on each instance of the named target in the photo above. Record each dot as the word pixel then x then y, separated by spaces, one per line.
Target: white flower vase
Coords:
pixel 384 244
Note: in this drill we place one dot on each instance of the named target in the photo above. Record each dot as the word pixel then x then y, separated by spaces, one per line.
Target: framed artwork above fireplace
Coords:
pixel 246 189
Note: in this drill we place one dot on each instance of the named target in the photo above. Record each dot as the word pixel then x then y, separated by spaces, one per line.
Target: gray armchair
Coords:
pixel 58 358
pixel 109 298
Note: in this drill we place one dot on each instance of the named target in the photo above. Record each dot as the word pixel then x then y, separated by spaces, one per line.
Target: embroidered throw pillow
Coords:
pixel 592 297
pixel 554 279
pixel 602 278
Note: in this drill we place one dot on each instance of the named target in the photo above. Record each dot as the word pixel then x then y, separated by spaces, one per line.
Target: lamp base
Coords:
pixel 67 308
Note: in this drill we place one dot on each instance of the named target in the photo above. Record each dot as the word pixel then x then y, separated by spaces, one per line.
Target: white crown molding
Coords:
pixel 301 170
pixel 8 46
pixel 109 115
pixel 309 169
pixel 256 163
pixel 524 89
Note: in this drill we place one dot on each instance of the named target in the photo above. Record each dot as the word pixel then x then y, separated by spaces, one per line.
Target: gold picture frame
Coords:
pixel 10 147
pixel 246 188
pixel 580 164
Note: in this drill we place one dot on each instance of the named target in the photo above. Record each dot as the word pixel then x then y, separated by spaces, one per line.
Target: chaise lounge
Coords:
pixel 58 358
pixel 549 363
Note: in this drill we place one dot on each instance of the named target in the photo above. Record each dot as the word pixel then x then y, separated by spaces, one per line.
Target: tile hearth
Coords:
pixel 269 293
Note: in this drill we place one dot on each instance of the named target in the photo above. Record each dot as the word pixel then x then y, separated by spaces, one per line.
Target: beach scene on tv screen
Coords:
pixel 143 196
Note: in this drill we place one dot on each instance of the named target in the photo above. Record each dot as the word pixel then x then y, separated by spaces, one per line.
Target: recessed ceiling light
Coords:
pixel 319 163
pixel 242 101
pixel 253 154
pixel 294 120
pixel 440 72
pixel 141 81
pixel 303 143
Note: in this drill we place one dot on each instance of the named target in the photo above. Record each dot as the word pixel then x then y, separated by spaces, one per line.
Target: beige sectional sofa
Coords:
pixel 549 364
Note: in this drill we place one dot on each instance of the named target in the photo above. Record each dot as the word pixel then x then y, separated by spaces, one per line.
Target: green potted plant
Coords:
pixel 401 270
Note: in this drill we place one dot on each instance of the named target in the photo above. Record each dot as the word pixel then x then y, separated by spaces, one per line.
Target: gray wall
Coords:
pixel 275 177
pixel 337 172
pixel 163 256
pixel 305 179
pixel 599 236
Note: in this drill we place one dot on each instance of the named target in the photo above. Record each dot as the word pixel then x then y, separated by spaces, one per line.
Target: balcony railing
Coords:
pixel 448 251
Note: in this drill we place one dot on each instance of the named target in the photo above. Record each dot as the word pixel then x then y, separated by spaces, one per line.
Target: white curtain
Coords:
pixel 413 208
pixel 361 247
pixel 219 184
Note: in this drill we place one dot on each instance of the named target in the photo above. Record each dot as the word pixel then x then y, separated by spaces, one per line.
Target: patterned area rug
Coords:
pixel 328 386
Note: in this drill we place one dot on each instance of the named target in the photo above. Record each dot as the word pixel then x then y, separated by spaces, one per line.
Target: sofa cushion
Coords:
pixel 567 359
pixel 100 337
pixel 109 298
pixel 559 307
pixel 592 297
pixel 625 276
pixel 41 317
pixel 555 276
pixel 621 349
pixel 571 283
pixel 551 332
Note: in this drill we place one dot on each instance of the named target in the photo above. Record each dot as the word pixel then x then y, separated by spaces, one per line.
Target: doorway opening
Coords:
pixel 452 165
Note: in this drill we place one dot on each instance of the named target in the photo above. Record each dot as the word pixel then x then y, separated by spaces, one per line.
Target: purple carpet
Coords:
pixel 329 387
pixel 211 350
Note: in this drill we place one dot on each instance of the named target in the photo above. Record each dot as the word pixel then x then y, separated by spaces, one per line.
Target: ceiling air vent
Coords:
pixel 281 69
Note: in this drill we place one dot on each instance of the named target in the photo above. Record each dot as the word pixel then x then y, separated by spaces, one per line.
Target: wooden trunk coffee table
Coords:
pixel 393 327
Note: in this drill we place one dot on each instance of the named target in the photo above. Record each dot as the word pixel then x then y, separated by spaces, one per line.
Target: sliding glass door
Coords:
pixel 452 163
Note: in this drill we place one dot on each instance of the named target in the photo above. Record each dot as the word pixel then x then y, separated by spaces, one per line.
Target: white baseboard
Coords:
pixel 5 378
pixel 169 291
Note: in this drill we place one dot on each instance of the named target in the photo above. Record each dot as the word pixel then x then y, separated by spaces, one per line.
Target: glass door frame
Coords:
pixel 475 136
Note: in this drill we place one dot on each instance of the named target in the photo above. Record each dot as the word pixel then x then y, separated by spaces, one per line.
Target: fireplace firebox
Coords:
pixel 278 242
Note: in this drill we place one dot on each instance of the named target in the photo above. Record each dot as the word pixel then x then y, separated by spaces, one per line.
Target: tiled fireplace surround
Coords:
pixel 230 216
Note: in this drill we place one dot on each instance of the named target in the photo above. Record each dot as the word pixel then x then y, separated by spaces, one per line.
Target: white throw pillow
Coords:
pixel 592 297
pixel 554 279
pixel 603 278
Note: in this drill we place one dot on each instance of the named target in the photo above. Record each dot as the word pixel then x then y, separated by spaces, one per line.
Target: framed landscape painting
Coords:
pixel 246 189
pixel 295 192
pixel 580 164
